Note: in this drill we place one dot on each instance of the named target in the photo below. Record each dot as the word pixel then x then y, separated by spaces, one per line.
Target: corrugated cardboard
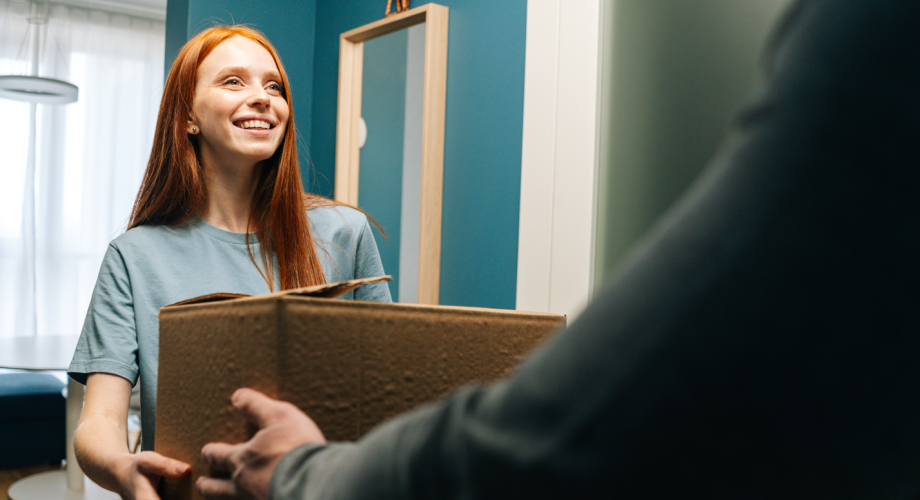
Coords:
pixel 349 365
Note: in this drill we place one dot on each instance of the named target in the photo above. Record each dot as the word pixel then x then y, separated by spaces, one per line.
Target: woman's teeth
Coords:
pixel 254 124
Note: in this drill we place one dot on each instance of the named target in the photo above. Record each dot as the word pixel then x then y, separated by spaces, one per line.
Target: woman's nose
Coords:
pixel 259 98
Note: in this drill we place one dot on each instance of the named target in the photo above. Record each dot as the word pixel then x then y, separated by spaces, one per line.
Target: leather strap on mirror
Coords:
pixel 401 6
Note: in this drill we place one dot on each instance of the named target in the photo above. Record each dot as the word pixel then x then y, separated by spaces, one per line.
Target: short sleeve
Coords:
pixel 367 265
pixel 108 342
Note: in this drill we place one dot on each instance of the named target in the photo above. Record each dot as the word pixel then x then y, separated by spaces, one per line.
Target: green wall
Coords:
pixel 674 73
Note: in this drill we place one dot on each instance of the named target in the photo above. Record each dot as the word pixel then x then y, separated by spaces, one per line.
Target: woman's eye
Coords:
pixel 232 81
pixel 274 86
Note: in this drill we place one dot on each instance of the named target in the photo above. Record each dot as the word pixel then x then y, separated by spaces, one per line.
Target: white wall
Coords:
pixel 624 102
pixel 559 160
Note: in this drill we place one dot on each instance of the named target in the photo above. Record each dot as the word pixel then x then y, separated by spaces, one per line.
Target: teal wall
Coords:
pixel 482 144
pixel 483 129
pixel 176 31
pixel 288 24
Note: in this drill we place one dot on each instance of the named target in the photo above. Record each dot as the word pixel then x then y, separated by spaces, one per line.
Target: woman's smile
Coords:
pixel 240 105
pixel 249 124
pixel 255 126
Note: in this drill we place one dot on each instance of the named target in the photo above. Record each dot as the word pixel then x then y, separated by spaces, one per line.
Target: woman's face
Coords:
pixel 238 108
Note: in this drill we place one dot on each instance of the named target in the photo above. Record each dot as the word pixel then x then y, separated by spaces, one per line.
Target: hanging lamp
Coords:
pixel 34 88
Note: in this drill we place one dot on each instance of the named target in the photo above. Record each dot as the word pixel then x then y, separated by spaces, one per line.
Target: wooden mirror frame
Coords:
pixel 347 149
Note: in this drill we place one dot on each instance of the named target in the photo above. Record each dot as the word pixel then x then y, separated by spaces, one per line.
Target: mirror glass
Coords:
pixel 389 186
pixel 389 141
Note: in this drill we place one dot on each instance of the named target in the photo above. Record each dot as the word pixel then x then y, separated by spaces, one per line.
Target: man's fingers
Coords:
pixel 216 489
pixel 149 462
pixel 219 456
pixel 281 427
pixel 255 407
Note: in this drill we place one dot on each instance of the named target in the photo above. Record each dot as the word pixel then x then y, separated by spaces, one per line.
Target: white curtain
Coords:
pixel 89 157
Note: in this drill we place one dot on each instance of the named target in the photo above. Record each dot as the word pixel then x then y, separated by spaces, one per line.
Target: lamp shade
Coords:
pixel 37 89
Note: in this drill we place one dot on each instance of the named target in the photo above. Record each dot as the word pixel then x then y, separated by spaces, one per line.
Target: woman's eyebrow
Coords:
pixel 242 70
pixel 239 70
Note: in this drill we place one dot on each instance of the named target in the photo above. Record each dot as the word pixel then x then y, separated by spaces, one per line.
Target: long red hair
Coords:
pixel 174 188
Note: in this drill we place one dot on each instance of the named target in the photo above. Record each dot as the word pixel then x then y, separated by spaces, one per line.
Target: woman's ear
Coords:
pixel 191 128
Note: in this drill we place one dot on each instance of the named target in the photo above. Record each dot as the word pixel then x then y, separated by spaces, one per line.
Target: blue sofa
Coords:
pixel 32 420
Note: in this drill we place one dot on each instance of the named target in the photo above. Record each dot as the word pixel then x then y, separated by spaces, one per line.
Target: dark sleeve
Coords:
pixel 763 341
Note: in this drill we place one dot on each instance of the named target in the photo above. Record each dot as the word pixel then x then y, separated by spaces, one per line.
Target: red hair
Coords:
pixel 174 188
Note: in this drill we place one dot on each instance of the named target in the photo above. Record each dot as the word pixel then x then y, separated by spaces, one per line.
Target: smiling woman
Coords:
pixel 240 111
pixel 222 185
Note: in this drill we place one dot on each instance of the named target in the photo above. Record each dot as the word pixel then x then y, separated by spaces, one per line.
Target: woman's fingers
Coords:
pixel 146 490
pixel 149 462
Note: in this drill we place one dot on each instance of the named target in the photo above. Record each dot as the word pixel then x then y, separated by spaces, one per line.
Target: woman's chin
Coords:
pixel 256 154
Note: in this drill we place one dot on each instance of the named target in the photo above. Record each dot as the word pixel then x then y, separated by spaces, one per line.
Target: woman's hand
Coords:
pixel 282 427
pixel 102 448
pixel 142 472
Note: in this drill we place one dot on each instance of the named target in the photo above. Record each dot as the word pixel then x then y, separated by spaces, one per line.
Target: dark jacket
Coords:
pixel 763 341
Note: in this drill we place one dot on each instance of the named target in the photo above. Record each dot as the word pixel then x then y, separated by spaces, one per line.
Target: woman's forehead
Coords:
pixel 238 52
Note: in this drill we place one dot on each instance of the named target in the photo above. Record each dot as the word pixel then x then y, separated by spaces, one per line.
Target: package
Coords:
pixel 348 364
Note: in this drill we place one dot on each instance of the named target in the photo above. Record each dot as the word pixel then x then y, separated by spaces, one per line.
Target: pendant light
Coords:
pixel 34 88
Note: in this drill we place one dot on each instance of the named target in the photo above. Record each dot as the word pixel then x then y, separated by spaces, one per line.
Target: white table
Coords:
pixel 52 353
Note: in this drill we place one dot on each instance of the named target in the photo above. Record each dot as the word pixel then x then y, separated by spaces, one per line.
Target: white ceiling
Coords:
pixel 155 9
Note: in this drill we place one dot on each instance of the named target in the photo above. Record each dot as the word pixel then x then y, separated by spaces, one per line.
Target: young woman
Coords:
pixel 221 187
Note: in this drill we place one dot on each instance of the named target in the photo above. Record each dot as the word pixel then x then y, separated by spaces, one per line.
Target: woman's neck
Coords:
pixel 230 195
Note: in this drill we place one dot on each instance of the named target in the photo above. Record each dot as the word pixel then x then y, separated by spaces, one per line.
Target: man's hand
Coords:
pixel 282 427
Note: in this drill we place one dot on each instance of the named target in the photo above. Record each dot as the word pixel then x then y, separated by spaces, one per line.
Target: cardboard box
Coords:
pixel 349 365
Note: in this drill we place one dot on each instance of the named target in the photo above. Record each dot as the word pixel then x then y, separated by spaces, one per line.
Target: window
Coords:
pixel 89 158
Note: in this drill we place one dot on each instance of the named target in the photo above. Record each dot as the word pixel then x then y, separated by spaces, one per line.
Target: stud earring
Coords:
pixel 194 130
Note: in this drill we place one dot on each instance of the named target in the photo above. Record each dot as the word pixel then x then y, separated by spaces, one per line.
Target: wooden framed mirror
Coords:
pixel 398 184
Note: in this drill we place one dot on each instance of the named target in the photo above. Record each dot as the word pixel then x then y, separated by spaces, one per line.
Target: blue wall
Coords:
pixel 484 120
pixel 288 24
pixel 483 130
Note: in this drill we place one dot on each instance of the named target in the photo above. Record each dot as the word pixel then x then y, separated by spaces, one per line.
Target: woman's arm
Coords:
pixel 101 443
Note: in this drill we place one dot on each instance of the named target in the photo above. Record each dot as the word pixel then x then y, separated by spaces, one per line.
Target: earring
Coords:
pixel 194 130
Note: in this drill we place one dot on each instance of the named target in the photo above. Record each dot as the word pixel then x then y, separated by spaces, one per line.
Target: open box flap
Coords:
pixel 327 290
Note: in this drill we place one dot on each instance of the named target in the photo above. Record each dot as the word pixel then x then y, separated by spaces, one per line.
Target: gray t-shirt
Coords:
pixel 150 267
